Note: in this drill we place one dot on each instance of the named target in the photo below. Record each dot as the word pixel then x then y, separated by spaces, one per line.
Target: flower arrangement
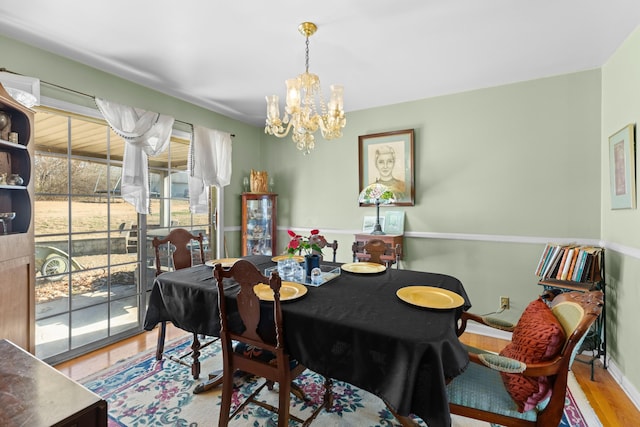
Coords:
pixel 308 245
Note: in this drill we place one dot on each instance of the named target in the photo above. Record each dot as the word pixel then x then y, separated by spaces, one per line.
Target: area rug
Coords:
pixel 142 391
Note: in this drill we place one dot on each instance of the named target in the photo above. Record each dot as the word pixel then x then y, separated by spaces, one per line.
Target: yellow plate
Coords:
pixel 298 258
pixel 226 262
pixel 430 297
pixel 288 291
pixel 363 267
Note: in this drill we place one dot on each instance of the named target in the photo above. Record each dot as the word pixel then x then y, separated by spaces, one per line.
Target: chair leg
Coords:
pixel 162 331
pixel 195 366
pixel 283 404
pixel 404 420
pixel 225 405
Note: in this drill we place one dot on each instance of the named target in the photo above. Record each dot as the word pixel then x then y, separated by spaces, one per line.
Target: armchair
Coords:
pixel 525 385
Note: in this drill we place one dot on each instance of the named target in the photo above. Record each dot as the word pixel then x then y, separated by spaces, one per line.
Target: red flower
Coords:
pixel 314 231
pixel 291 233
pixel 294 244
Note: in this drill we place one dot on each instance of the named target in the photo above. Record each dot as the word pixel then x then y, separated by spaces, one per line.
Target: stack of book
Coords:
pixel 570 262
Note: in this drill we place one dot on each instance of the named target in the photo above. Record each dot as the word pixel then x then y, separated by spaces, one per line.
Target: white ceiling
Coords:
pixel 227 55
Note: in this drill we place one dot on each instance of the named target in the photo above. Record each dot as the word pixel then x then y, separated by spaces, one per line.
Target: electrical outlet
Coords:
pixel 504 303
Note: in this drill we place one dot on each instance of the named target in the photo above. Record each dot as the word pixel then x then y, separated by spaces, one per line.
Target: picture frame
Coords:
pixel 622 168
pixel 369 222
pixel 393 222
pixel 387 158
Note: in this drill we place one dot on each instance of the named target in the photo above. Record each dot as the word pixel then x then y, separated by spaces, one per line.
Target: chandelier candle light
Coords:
pixel 379 194
pixel 300 112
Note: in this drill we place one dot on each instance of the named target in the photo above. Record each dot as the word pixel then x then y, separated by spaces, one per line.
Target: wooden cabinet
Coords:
pixel 37 395
pixel 392 239
pixel 16 235
pixel 259 223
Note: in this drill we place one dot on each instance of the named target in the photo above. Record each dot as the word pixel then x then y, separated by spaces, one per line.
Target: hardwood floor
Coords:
pixel 610 403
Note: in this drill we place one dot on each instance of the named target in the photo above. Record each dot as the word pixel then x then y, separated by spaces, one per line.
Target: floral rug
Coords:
pixel 144 392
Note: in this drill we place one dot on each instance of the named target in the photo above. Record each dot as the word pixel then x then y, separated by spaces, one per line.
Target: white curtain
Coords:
pixel 209 164
pixel 146 134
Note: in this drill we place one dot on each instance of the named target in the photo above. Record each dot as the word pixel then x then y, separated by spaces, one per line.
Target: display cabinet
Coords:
pixel 259 223
pixel 17 289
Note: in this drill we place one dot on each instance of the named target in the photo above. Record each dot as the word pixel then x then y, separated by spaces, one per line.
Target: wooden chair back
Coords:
pixel 576 311
pixel 181 254
pixel 377 251
pixel 334 246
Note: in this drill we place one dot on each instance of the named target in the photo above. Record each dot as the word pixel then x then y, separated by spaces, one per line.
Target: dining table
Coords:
pixel 354 328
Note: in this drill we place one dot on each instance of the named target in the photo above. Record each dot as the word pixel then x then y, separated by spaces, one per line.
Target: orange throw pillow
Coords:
pixel 537 337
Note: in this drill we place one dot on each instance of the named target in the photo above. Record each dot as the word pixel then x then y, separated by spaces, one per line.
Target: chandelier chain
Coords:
pixel 306 54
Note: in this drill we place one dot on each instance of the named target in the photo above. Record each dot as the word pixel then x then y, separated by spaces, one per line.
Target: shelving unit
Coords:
pixel 17 278
pixel 596 339
pixel 259 221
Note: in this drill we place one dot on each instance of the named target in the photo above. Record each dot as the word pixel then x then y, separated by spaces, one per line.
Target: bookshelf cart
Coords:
pixel 591 278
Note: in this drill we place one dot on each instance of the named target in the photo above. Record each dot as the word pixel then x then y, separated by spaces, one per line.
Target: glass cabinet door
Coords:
pixel 258 224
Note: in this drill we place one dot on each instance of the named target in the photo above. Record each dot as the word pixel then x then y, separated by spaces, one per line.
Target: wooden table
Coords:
pixel 34 394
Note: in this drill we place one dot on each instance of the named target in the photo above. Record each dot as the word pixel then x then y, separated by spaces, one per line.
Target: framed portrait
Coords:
pixel 622 168
pixel 393 222
pixel 387 158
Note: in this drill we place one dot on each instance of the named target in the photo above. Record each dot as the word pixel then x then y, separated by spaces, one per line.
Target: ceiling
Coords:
pixel 226 56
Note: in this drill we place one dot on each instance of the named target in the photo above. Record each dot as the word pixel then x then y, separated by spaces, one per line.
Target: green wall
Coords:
pixel 621 228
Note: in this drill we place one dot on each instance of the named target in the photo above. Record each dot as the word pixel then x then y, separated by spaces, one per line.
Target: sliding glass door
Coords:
pixel 93 261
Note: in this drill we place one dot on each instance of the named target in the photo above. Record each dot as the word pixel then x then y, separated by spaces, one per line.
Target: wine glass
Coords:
pixel 4 218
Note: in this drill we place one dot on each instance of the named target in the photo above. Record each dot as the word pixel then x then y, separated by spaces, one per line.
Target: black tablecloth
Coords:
pixel 353 329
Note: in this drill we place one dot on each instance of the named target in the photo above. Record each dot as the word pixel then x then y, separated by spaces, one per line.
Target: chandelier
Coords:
pixel 300 112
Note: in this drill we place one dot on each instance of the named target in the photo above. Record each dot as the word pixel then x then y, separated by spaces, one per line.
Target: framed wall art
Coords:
pixel 387 158
pixel 622 168
pixel 369 222
pixel 393 222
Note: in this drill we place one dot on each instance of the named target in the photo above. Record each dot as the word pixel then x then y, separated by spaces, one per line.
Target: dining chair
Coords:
pixel 175 251
pixel 260 348
pixel 377 251
pixel 333 245
pixel 526 383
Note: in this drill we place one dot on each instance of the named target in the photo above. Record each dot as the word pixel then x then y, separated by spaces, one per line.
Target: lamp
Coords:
pixel 379 194
pixel 300 112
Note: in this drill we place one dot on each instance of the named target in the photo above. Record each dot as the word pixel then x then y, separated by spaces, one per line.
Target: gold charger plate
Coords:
pixel 298 258
pixel 288 291
pixel 363 267
pixel 430 297
pixel 226 262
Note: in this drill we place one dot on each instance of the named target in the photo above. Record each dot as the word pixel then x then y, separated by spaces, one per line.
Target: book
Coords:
pixel 563 261
pixel 574 263
pixel 567 264
pixel 552 268
pixel 584 277
pixel 553 253
pixel 547 260
pixel 596 274
pixel 543 257
pixel 579 266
